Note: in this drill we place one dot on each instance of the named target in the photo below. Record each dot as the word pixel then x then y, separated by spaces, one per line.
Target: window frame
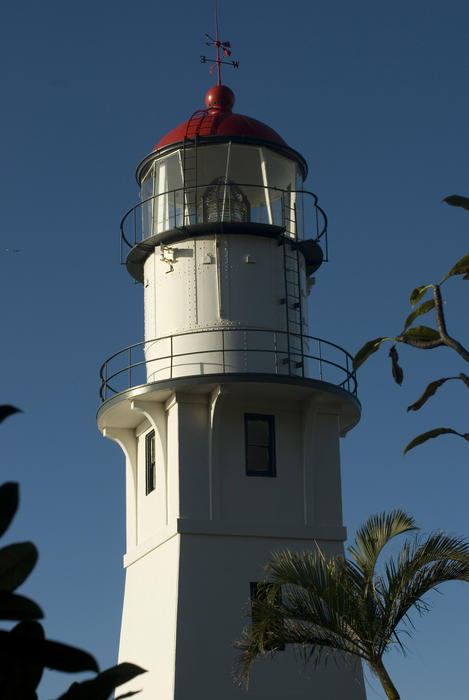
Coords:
pixel 272 467
pixel 150 464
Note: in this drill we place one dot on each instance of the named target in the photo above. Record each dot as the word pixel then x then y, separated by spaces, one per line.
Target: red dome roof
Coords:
pixel 219 120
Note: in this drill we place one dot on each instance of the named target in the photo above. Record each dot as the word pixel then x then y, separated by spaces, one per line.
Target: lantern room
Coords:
pixel 224 169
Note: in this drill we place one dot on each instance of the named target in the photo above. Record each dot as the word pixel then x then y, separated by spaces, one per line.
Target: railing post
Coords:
pixel 171 361
pixel 320 359
pixel 130 368
pixel 223 349
pixel 276 352
pixel 287 313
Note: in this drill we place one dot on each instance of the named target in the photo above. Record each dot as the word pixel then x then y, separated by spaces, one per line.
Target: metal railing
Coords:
pixel 215 351
pixel 225 202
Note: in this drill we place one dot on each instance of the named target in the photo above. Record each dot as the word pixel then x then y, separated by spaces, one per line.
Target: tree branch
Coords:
pixel 439 313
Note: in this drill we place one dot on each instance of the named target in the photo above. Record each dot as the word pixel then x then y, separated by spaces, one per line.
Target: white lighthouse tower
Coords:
pixel 230 412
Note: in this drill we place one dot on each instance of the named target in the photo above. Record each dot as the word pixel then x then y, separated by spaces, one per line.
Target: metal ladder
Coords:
pixel 293 306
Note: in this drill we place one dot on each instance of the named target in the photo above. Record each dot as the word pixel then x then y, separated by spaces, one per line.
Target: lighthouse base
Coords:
pixel 220 474
pixel 186 603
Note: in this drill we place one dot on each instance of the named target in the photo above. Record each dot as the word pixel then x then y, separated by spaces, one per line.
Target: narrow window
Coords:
pixel 259 433
pixel 259 591
pixel 150 464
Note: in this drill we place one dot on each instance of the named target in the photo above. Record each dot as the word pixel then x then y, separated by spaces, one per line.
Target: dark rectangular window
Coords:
pixel 259 431
pixel 259 591
pixel 150 463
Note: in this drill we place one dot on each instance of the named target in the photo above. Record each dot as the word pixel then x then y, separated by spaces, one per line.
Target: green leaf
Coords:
pixel 397 372
pixel 103 685
pixel 62 657
pixel 459 268
pixel 16 563
pixel 27 670
pixel 368 349
pixel 429 391
pixel 417 293
pixel 9 498
pixel 430 434
pixel 7 410
pixel 53 655
pixel 422 309
pixel 455 200
pixel 421 333
pixel 17 607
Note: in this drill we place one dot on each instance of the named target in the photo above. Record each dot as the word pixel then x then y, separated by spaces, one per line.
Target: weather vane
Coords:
pixel 224 45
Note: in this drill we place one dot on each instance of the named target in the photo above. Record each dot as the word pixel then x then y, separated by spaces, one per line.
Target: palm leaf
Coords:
pixel 422 566
pixel 374 535
pixel 435 432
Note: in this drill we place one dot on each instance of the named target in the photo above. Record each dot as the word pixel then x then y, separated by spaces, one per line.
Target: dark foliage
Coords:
pixel 24 650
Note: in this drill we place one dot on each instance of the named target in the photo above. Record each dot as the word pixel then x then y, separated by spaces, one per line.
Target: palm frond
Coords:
pixel 374 535
pixel 420 568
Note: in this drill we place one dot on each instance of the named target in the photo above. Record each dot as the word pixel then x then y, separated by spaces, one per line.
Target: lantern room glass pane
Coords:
pixel 163 185
pixel 244 166
pixel 212 163
pixel 167 209
pixel 281 171
pixel 147 206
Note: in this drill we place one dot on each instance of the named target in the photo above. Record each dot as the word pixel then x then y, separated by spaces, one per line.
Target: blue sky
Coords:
pixel 374 95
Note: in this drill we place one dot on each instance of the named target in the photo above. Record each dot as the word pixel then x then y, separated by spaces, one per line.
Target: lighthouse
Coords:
pixel 230 411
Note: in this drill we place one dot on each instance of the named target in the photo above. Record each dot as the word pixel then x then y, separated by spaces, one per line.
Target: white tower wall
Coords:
pixel 206 531
pixel 221 283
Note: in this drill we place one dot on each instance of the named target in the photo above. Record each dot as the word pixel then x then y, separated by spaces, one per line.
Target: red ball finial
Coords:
pixel 220 98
